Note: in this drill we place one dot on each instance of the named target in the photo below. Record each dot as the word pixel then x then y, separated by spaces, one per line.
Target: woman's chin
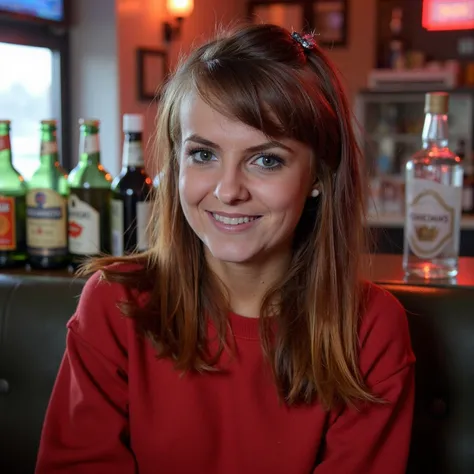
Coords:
pixel 234 254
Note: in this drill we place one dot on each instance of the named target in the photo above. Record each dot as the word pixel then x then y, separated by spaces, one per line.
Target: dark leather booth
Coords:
pixel 34 311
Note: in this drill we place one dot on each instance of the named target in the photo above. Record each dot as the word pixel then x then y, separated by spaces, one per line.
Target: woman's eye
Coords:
pixel 202 156
pixel 267 161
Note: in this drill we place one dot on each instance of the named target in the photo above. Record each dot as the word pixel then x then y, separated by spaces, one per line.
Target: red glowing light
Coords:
pixel 445 15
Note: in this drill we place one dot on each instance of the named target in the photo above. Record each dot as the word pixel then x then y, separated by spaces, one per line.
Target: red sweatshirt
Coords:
pixel 116 409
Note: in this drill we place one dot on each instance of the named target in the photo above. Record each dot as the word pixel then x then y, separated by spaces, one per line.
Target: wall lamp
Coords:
pixel 179 10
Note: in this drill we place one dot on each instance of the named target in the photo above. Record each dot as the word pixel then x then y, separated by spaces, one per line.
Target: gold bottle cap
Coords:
pixel 437 103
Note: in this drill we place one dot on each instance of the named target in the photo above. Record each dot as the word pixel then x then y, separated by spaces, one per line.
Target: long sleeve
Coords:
pixel 86 424
pixel 375 438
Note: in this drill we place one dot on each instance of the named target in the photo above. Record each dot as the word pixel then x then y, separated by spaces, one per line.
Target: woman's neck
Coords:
pixel 248 283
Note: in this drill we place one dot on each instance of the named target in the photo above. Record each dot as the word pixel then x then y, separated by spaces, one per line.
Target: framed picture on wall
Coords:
pixel 327 18
pixel 285 13
pixel 152 69
pixel 330 22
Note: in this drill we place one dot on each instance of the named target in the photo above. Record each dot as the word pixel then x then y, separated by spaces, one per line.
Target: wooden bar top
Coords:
pixel 383 268
pixel 387 268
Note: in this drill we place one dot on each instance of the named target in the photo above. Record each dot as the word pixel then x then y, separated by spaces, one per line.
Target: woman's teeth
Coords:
pixel 233 220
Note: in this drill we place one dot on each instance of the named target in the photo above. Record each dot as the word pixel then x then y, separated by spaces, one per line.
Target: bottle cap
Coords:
pixel 437 103
pixel 133 123
pixel 89 122
pixel 48 124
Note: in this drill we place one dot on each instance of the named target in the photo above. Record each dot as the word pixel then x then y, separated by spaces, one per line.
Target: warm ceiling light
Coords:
pixel 180 8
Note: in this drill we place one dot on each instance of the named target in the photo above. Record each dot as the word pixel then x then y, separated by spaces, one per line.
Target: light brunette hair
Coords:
pixel 261 76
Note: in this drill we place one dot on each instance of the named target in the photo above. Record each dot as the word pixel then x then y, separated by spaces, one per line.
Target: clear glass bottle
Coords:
pixel 89 200
pixel 434 182
pixel 46 206
pixel 12 205
pixel 132 193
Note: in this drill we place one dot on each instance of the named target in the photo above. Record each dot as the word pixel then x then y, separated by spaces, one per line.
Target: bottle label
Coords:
pixel 49 148
pixel 117 229
pixel 433 217
pixel 143 218
pixel 4 142
pixel 90 144
pixel 133 154
pixel 46 230
pixel 7 223
pixel 83 227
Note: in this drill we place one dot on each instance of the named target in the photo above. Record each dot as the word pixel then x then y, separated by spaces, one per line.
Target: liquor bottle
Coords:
pixel 89 199
pixel 132 193
pixel 396 43
pixel 12 205
pixel 434 180
pixel 46 206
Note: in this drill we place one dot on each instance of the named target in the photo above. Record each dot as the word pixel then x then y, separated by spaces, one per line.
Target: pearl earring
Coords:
pixel 314 192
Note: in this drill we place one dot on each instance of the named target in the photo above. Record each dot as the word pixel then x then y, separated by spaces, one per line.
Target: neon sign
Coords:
pixel 444 15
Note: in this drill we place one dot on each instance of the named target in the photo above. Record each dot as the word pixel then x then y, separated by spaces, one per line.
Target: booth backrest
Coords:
pixel 33 316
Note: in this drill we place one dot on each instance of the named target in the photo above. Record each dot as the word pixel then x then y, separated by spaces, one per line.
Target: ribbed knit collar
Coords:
pixel 243 327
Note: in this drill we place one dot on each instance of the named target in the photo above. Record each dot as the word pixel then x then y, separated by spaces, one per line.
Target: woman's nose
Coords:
pixel 231 187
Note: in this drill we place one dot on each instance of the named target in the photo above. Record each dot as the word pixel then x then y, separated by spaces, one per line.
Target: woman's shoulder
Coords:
pixel 384 336
pixel 105 284
pixel 101 310
pixel 380 305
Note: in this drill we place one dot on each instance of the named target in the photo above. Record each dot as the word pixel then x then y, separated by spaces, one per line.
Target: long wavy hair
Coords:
pixel 261 76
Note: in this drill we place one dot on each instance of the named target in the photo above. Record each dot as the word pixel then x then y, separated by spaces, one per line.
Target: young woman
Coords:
pixel 245 340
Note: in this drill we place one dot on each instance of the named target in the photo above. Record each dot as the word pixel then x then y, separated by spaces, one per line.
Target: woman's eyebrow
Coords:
pixel 253 149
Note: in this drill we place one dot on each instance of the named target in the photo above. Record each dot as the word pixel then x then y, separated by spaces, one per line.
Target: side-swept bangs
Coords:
pixel 267 96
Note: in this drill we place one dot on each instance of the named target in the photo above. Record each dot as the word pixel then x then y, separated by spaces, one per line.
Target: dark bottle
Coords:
pixel 89 199
pixel 12 205
pixel 46 206
pixel 131 193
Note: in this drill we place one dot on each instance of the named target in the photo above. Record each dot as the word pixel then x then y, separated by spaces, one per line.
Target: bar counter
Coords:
pixel 382 268
pixel 387 268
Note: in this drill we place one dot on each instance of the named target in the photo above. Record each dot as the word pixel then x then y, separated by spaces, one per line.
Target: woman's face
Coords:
pixel 241 193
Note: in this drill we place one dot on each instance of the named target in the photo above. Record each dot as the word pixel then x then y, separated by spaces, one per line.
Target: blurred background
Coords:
pixel 101 59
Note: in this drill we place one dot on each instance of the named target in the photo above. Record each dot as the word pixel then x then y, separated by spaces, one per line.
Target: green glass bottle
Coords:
pixel 46 206
pixel 89 200
pixel 12 205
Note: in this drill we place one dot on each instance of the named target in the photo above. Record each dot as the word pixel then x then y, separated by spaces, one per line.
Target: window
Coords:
pixel 25 99
pixel 34 85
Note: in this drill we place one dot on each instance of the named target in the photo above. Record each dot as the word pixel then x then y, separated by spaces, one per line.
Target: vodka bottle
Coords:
pixel 434 181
